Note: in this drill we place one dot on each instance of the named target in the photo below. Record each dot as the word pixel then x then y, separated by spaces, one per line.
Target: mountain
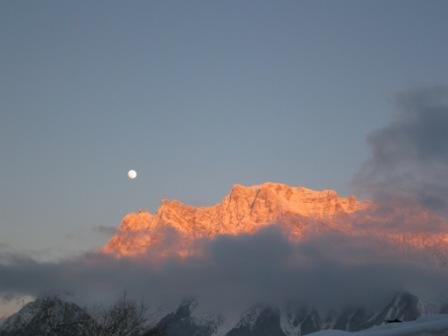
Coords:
pixel 298 211
pixel 260 321
pixel 291 319
pixel 244 210
pixel 48 316
pixel 183 322
pixel 295 320
pixel 53 316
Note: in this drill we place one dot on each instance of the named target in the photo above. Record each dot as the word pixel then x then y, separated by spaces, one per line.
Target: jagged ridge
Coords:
pixel 245 209
pixel 53 316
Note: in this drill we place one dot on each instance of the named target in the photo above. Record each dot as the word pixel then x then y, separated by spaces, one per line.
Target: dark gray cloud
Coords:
pixel 409 158
pixel 328 271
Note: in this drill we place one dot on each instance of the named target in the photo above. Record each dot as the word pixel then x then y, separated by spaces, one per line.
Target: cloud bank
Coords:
pixel 328 272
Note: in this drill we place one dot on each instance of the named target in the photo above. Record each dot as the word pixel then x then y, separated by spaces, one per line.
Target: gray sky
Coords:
pixel 196 96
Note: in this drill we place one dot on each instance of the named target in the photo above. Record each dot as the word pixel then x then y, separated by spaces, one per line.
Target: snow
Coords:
pixel 251 317
pixel 287 325
pixel 23 317
pixel 430 325
pixel 330 333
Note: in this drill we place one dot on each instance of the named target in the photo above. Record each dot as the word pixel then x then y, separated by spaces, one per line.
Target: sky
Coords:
pixel 196 96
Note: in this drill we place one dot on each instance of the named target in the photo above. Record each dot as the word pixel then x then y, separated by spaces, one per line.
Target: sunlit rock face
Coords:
pixel 244 210
pixel 176 228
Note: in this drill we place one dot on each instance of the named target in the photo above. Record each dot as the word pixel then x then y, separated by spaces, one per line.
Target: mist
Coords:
pixel 409 157
pixel 327 272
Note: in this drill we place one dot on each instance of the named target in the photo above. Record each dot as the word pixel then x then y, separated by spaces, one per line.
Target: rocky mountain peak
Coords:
pixel 48 316
pixel 136 221
pixel 245 209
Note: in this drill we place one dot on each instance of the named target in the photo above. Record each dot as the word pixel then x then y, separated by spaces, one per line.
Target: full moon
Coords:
pixel 132 174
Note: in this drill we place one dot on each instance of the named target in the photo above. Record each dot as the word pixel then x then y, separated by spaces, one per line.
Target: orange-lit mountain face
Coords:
pixel 298 211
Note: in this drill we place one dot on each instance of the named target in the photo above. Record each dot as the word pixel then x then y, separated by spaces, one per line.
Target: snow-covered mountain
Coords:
pixel 298 211
pixel 183 322
pixel 48 316
pixel 53 316
pixel 244 210
pixel 292 319
pixel 295 320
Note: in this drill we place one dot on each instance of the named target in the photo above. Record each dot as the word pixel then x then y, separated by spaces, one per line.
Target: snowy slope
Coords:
pixel 48 316
pixel 430 325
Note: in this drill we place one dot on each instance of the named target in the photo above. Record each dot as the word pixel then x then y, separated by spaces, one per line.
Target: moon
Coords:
pixel 132 174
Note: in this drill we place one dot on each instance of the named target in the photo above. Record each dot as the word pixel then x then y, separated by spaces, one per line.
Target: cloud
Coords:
pixel 409 157
pixel 234 272
pixel 407 172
